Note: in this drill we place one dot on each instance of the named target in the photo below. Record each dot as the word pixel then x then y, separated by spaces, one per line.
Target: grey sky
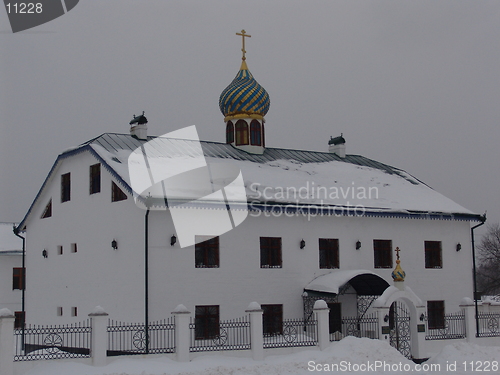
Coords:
pixel 414 84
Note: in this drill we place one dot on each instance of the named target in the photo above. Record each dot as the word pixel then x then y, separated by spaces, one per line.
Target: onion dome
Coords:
pixel 244 97
pixel 398 274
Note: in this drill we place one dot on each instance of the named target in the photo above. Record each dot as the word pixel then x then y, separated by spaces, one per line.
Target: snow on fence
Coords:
pixel 36 342
pixel 366 326
pixel 451 327
pixel 294 332
pixel 130 338
pixel 228 335
pixel 489 325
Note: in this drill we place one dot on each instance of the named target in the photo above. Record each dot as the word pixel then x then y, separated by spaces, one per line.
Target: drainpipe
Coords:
pixel 146 280
pixel 483 219
pixel 16 232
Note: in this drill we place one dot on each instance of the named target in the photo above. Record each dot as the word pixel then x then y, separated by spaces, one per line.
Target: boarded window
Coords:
pixel 229 132
pixel 95 178
pixel 272 320
pixel 206 322
pixel 328 253
pixel 382 250
pixel 241 133
pixel 117 194
pixel 255 138
pixel 47 212
pixel 435 314
pixel 433 254
pixel 270 252
pixel 207 253
pixel 19 322
pixel 18 278
pixel 65 187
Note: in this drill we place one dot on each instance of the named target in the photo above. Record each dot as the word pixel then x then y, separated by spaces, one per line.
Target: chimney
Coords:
pixel 337 146
pixel 138 127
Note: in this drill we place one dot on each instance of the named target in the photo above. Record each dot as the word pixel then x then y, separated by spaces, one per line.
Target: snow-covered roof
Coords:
pixel 291 177
pixel 333 281
pixel 10 244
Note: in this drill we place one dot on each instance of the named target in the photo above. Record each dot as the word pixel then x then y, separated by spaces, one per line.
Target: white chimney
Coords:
pixel 138 127
pixel 337 146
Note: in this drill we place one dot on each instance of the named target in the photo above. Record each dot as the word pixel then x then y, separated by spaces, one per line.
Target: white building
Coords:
pixel 11 271
pixel 320 225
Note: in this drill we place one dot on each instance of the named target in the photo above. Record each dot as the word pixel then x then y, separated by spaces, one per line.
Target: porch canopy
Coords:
pixel 364 282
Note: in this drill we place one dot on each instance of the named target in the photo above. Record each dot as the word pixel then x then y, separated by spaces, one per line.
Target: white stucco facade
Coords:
pixel 97 274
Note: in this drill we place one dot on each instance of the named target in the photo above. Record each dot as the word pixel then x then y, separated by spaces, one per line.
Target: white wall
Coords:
pixel 9 298
pixel 98 275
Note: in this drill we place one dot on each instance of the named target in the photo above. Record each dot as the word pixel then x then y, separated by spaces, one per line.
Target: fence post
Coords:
pixel 470 319
pixel 99 348
pixel 383 323
pixel 256 331
pixel 322 315
pixel 182 334
pixel 6 342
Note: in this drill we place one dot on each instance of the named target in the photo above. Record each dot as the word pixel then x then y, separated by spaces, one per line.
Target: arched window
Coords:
pixel 241 133
pixel 255 138
pixel 229 132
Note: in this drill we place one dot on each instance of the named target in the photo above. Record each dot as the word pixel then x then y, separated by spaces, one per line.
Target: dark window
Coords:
pixel 270 252
pixel 207 253
pixel 65 187
pixel 272 319
pixel 263 135
pixel 47 212
pixel 335 317
pixel 206 322
pixel 18 278
pixel 117 194
pixel 382 250
pixel 433 254
pixel 74 248
pixel 19 322
pixel 59 249
pixel 435 314
pixel 255 138
pixel 229 132
pixel 241 133
pixel 328 253
pixel 74 311
pixel 95 178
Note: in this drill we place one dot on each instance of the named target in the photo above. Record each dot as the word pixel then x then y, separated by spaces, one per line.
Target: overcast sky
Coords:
pixel 414 84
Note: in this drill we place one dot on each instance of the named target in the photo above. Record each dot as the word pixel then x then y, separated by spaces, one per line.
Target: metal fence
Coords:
pixel 489 325
pixel 366 326
pixel 37 342
pixel 452 327
pixel 130 338
pixel 295 332
pixel 229 335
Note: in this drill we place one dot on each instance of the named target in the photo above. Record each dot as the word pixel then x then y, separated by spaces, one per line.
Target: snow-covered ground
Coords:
pixel 350 355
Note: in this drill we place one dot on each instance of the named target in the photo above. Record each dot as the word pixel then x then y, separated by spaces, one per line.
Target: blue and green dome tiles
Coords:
pixel 244 96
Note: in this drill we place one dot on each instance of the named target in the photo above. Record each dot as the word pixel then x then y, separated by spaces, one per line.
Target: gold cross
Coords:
pixel 397 252
pixel 243 34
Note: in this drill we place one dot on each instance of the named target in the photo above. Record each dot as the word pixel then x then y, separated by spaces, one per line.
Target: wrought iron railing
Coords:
pixel 489 325
pixel 130 338
pixel 295 332
pixel 37 342
pixel 366 326
pixel 451 327
pixel 231 335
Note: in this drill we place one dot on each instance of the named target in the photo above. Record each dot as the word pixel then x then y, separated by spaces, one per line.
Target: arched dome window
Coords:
pixel 229 132
pixel 241 133
pixel 263 135
pixel 255 137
